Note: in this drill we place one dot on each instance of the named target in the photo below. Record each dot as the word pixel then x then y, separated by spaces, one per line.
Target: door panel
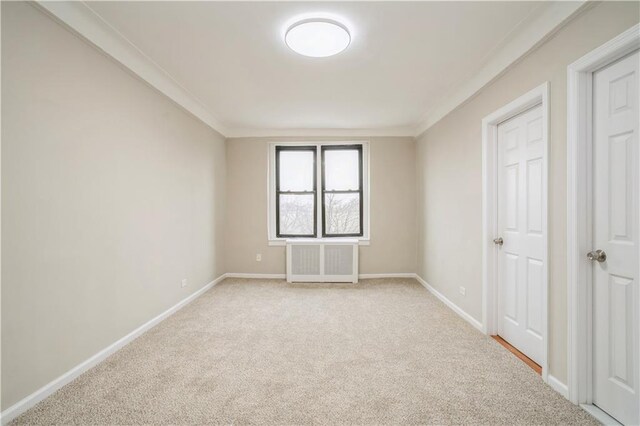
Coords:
pixel 615 230
pixel 620 187
pixel 521 271
pixel 534 196
pixel 534 297
pixel 511 183
pixel 510 293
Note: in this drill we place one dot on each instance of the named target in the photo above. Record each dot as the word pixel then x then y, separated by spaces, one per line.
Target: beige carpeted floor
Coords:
pixel 265 352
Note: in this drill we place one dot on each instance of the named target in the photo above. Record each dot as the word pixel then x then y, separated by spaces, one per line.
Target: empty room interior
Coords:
pixel 288 213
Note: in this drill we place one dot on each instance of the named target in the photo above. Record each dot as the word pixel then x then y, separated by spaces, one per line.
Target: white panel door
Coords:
pixel 521 215
pixel 615 231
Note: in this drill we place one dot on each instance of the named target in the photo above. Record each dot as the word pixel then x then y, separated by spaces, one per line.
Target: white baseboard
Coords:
pixel 471 320
pixel 600 415
pixel 255 276
pixel 283 276
pixel 558 386
pixel 29 401
pixel 391 275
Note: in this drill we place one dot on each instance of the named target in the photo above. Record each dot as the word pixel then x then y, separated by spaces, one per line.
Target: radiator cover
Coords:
pixel 322 260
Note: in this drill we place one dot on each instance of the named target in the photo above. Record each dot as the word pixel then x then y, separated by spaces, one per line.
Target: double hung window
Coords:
pixel 318 191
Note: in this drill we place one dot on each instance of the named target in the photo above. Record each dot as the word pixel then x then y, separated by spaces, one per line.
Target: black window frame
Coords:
pixel 359 191
pixel 313 149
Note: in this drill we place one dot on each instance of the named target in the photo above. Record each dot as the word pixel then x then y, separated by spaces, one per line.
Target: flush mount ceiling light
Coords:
pixel 317 37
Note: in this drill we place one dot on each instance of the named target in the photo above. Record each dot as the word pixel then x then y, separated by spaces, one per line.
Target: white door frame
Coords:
pixel 579 194
pixel 537 96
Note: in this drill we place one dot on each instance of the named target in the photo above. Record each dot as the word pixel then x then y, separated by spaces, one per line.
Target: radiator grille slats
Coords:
pixel 305 260
pixel 322 261
pixel 338 260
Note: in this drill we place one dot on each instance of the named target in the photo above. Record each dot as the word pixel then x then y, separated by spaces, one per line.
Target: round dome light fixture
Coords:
pixel 317 37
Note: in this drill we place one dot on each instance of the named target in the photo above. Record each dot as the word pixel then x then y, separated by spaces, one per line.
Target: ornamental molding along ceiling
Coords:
pixel 529 34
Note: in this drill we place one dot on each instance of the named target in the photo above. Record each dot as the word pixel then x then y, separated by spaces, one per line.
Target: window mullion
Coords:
pixel 296 192
pixel 342 191
pixel 319 193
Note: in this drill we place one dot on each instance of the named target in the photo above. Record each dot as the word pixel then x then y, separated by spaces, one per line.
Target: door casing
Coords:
pixel 579 209
pixel 537 96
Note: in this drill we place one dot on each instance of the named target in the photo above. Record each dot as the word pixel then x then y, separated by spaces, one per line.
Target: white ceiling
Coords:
pixel 405 57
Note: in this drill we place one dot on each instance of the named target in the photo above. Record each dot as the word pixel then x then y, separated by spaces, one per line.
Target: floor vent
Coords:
pixel 315 260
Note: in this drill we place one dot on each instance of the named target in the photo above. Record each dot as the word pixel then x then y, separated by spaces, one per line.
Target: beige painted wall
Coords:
pixel 450 172
pixel 393 214
pixel 111 194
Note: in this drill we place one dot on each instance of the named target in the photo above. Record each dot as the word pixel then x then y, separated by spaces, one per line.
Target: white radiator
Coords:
pixel 315 260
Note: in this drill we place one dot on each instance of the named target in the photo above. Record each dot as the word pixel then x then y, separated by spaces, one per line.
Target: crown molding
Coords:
pixel 535 30
pixel 325 133
pixel 83 21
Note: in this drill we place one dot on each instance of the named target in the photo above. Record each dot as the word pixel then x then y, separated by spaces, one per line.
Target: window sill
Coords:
pixel 283 241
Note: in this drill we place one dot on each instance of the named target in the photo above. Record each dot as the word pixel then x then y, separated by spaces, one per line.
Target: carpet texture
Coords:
pixel 267 352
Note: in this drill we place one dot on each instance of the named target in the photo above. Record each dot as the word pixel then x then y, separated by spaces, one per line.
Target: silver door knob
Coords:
pixel 598 255
pixel 499 241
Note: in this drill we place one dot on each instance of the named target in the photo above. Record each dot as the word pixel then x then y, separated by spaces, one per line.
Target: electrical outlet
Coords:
pixel 463 291
pixel 184 282
pixel 258 257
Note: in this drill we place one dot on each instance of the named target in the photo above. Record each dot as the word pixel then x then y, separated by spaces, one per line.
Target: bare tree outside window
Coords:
pixel 342 213
pixel 296 214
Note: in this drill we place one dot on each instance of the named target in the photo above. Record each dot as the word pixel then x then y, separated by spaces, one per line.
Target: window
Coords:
pixel 342 191
pixel 296 191
pixel 311 198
